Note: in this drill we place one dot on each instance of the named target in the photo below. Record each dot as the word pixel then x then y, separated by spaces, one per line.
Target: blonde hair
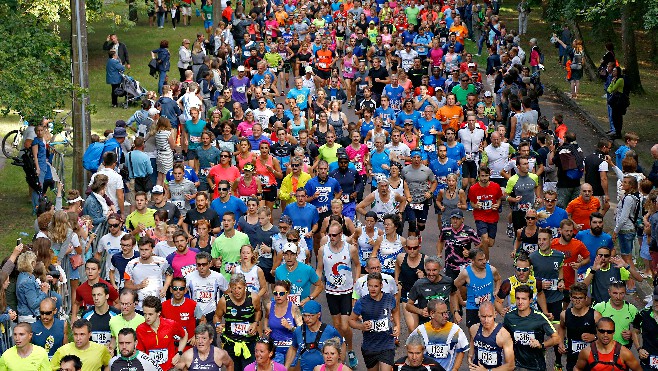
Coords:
pixel 59 227
pixel 24 262
pixel 254 253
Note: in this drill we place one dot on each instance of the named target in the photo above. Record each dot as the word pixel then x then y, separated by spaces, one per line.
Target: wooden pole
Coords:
pixel 80 72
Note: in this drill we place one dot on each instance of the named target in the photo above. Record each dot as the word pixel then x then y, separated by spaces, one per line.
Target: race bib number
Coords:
pixel 577 345
pixel 553 284
pixel 204 171
pixel 523 337
pixel 380 325
pixel 530 247
pixel 348 69
pixel 336 280
pixel 556 232
pixel 486 205
pixel 389 263
pixel 100 337
pixel 442 40
pixel 470 157
pixel 345 198
pixel 274 69
pixel 195 139
pixel 180 204
pixel 487 357
pixel 264 179
pixel 240 328
pixel 323 209
pixel 416 206
pixel 369 144
pixel 283 343
pixel 366 254
pixel 229 267
pixel 302 230
pixel 295 298
pixel 524 206
pixel 322 65
pixel 245 199
pixel 429 147
pixel 580 277
pixel 653 361
pixel 204 297
pixel 240 89
pixel 482 298
pixel 438 351
pixel 358 166
pixel 159 356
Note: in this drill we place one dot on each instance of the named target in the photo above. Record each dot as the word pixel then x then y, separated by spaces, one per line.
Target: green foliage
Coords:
pixel 35 71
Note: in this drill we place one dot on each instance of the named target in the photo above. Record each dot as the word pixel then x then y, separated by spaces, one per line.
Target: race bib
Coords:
pixel 336 280
pixel 380 325
pixel 302 230
pixel 429 147
pixel 438 351
pixel 486 205
pixel 523 337
pixel 553 285
pixel 180 204
pixel 389 263
pixel 204 297
pixel 240 328
pixel 245 199
pixel 195 139
pixel 100 337
pixel 347 69
pixel 358 166
pixel 442 40
pixel 323 209
pixel 240 89
pixel 274 69
pixel 482 298
pixel 653 361
pixel 577 345
pixel 530 247
pixel 322 65
pixel 283 343
pixel 524 206
pixel 416 206
pixel 204 171
pixel 159 356
pixel 229 267
pixel 470 157
pixel 264 179
pixel 369 144
pixel 487 357
pixel 366 254
pixel 345 198
pixel 580 277
pixel 295 298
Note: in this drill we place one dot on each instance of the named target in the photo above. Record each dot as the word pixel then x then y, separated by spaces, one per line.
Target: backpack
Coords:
pixel 91 159
pixel 315 344
pixel 572 161
pixel 637 219
pixel 615 357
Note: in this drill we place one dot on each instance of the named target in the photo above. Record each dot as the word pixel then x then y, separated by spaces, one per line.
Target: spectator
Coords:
pixel 28 291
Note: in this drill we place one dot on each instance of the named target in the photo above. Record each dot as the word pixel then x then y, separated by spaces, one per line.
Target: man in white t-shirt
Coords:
pixel 206 286
pixel 400 152
pixel 149 275
pixel 114 188
pixel 110 243
pixel 373 265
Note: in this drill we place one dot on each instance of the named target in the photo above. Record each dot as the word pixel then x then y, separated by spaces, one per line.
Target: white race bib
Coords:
pixel 294 298
pixel 345 198
pixel 487 357
pixel 302 230
pixel 204 297
pixel 204 171
pixel 366 254
pixel 577 345
pixel 100 337
pixel 159 356
pixel 429 147
pixel 323 209
pixel 389 263
pixel 180 204
pixel 486 205
pixel 483 298
pixel 240 89
pixel 358 166
pixel 416 206
pixel 530 247
pixel 283 343
pixel 523 337
pixel 438 350
pixel 240 328
pixel 524 206
pixel 195 139
pixel 470 157
pixel 653 361
pixel 380 325
pixel 264 179
pixel 553 284
pixel 245 199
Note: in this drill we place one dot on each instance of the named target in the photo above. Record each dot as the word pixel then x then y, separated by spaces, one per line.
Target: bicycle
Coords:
pixel 12 143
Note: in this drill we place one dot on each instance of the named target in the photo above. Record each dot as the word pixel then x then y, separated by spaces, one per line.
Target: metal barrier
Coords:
pixel 57 164
pixel 6 338
pixel 64 290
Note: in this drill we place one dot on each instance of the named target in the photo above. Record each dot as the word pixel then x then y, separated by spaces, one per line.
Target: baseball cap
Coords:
pixel 457 214
pixel 311 307
pixel 343 156
pixel 120 133
pixel 120 124
pixel 153 112
pixel 285 219
pixel 407 44
pixel 290 247
pixel 248 167
pixel 438 88
pixel 488 93
pixel 371 22
pixel 157 190
pixel 179 157
pixel 240 68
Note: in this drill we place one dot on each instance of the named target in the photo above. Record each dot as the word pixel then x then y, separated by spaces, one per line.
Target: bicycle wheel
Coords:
pixel 11 144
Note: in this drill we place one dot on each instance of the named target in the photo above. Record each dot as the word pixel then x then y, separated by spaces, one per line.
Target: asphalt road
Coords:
pixel 587 137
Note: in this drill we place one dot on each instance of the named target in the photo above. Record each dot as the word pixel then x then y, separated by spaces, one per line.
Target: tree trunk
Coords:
pixel 217 12
pixel 631 68
pixel 588 66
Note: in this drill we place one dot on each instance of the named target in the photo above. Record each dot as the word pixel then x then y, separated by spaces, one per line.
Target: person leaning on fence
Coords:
pixel 24 356
pixel 28 291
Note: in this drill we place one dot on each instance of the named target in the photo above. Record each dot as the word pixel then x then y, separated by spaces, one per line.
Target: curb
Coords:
pixel 643 288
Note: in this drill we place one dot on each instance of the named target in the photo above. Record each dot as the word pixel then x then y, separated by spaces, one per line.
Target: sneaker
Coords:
pixel 510 230
pixel 349 103
pixel 558 367
pixel 352 360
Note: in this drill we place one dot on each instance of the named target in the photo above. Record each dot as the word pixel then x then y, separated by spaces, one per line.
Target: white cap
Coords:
pixel 488 93
pixel 157 190
pixel 290 247
pixel 240 68
pixel 153 112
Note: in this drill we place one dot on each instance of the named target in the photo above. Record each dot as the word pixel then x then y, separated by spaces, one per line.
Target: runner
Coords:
pixel 157 336
pixel 491 344
pixel 605 353
pixel 526 237
pixel 282 317
pixel 409 268
pixel 146 274
pixel 129 356
pixel 577 325
pixel 547 267
pixel 620 311
pixel 422 183
pixel 457 240
pixel 485 198
pixel 480 280
pixel 505 298
pixel 302 277
pixel 434 286
pixel 368 238
pixel 204 356
pixel 99 316
pixel 416 359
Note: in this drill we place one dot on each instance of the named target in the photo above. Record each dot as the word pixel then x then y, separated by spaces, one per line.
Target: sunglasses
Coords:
pixel 48 313
pixel 547 200
pixel 261 102
pixel 413 247
pixel 114 225
pixel 279 293
pixel 224 156
pixel 530 218
pixel 202 264
pixel 294 165
pixel 603 255
pixel 223 189
pixel 519 269
pixel 177 288
pixel 334 234
pixel 609 332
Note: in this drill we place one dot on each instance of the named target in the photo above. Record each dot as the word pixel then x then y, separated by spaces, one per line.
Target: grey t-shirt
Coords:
pixel 523 186
pixel 418 181
pixel 547 268
pixel 178 192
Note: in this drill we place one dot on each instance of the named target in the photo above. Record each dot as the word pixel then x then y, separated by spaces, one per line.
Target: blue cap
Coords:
pixel 312 307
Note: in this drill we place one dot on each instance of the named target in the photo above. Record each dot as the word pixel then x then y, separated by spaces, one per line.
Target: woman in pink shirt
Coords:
pixel 245 127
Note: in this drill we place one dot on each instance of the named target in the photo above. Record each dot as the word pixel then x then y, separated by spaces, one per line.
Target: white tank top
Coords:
pixel 338 270
pixel 388 253
pixel 365 249
pixel 253 285
pixel 399 190
pixel 382 208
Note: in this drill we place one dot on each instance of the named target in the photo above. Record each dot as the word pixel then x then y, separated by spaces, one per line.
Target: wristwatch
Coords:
pixel 180 353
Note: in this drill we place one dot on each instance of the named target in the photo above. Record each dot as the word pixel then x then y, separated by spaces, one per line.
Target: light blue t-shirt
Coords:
pixel 593 243
pixel 301 279
pixel 553 221
pixel 377 159
pixel 313 357
pixel 233 204
pixel 303 219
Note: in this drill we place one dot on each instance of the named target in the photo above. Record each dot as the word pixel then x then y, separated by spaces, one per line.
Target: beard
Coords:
pixel 597 231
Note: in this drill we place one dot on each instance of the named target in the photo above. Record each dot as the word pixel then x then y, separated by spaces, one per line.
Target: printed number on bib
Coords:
pixel 486 205
pixel 100 337
pixel 245 199
pixel 283 343
pixel 483 298
pixel 577 345
pixel 389 263
pixel 358 166
pixel 204 171
pixel 530 247
pixel 487 357
pixel 294 298
pixel 523 337
pixel 366 254
pixel 470 157
pixel 380 325
pixel 429 147
pixel 345 198
pixel 438 351
pixel 323 209
pixel 302 230
pixel 653 362
pixel 240 328
pixel 159 356
pixel 195 139
pixel 553 284
pixel 264 179
pixel 204 297
pixel 416 206
pixel 180 204
pixel 524 206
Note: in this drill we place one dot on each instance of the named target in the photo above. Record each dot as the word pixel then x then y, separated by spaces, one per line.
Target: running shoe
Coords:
pixel 352 360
